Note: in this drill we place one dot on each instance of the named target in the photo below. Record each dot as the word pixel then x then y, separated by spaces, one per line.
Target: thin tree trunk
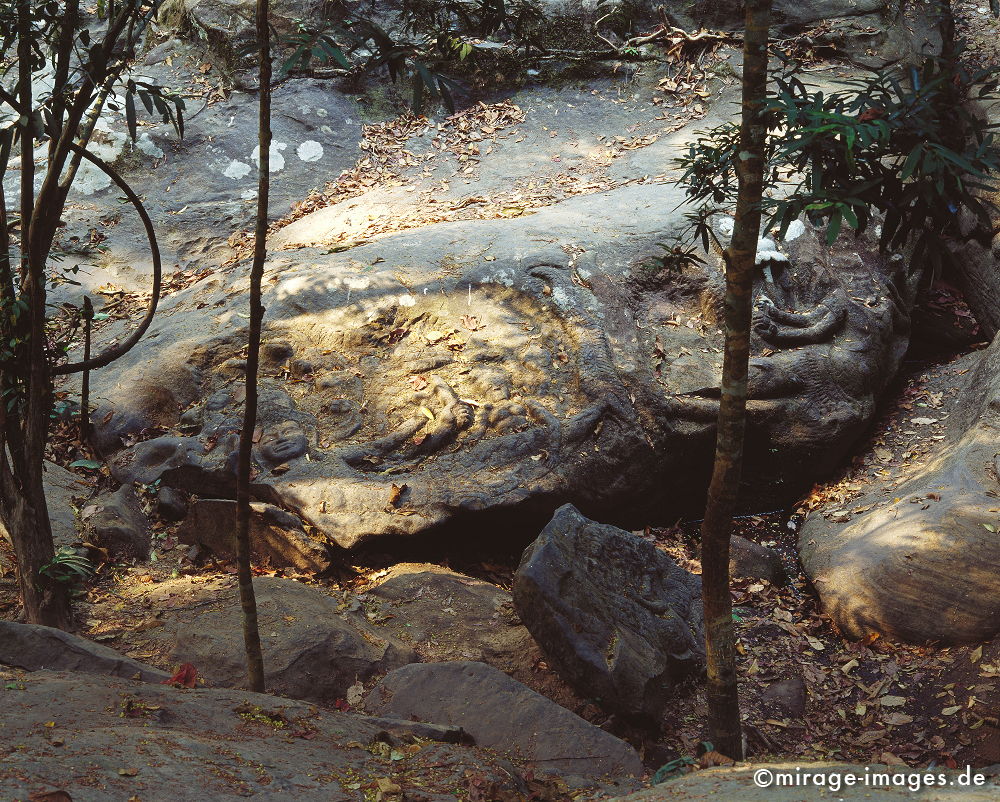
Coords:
pixel 251 632
pixel 720 639
pixel 45 600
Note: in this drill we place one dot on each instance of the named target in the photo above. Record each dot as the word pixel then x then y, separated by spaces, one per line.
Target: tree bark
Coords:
pixel 44 599
pixel 725 731
pixel 248 601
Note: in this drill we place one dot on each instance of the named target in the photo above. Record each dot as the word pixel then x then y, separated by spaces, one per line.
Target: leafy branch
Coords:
pixel 907 150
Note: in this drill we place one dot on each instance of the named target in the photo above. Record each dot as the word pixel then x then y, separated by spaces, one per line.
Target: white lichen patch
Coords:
pixel 106 144
pixel 504 277
pixel 561 297
pixel 795 230
pixel 277 162
pixel 407 300
pixel 310 151
pixel 237 170
pixel 768 253
pixel 146 145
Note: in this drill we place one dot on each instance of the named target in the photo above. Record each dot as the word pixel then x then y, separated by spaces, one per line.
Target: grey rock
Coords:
pixel 181 462
pixel 618 619
pixel 313 649
pixel 203 184
pixel 789 695
pixel 37 648
pixel 804 12
pixel 120 525
pixel 277 537
pixel 742 783
pixel 872 32
pixel 849 24
pixel 228 24
pixel 61 486
pixel 921 564
pixel 501 713
pixel 171 505
pixel 209 743
pixel 409 730
pixel 754 561
pixel 559 393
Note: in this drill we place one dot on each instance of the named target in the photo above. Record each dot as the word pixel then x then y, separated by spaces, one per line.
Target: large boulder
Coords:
pixel 872 32
pixel 37 648
pixel 483 373
pixel 61 487
pixel 229 24
pixel 617 618
pixel 919 561
pixel 314 647
pixel 501 713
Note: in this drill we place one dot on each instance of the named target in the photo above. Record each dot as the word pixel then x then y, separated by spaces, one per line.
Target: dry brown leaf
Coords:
pixel 396 494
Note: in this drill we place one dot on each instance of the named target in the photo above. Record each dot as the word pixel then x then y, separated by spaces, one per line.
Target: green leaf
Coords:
pixel 334 53
pixel 833 228
pixel 446 96
pixel 130 114
pixel 911 162
pixel 89 464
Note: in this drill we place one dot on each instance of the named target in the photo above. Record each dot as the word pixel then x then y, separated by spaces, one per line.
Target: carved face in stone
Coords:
pixel 283 442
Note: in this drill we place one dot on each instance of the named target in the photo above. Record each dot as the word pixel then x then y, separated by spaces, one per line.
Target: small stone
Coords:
pixel 789 695
pixel 171 505
pixel 753 561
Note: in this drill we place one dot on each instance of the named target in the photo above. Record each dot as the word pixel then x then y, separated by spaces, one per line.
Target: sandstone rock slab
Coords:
pixel 486 372
pixel 501 713
pixel 313 648
pixel 921 563
pixel 119 739
pixel 277 537
pixel 450 616
pixel 37 648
